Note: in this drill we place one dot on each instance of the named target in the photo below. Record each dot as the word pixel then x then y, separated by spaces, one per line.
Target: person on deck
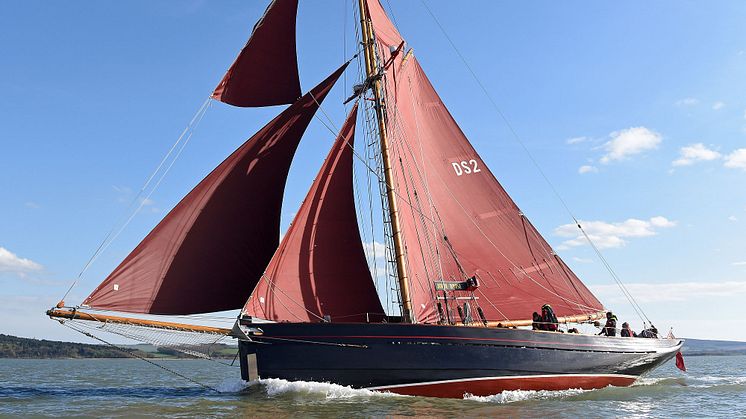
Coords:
pixel 652 332
pixel 536 325
pixel 610 326
pixel 627 332
pixel 548 318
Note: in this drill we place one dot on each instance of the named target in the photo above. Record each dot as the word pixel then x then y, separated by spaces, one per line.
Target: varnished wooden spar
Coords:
pixel 58 313
pixel 372 73
pixel 578 318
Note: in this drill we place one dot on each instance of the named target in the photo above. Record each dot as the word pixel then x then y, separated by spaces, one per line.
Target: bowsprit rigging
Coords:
pixel 463 267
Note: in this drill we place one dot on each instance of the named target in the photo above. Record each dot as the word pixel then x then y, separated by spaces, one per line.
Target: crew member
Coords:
pixel 627 332
pixel 610 326
pixel 548 318
pixel 536 325
pixel 651 332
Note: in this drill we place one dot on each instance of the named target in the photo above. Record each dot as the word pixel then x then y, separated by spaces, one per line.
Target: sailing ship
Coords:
pixel 470 268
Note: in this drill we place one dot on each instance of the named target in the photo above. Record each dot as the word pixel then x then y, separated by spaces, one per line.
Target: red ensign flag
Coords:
pixel 680 361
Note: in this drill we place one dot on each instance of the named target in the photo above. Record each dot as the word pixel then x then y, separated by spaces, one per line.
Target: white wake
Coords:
pixel 512 396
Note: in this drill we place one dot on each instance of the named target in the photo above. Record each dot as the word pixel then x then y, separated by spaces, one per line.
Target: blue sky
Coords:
pixel 635 111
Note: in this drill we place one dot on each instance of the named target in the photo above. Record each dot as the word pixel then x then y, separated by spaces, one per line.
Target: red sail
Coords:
pixel 209 252
pixel 266 71
pixel 456 219
pixel 320 268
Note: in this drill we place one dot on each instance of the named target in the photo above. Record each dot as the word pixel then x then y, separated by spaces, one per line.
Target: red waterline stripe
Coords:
pixel 486 386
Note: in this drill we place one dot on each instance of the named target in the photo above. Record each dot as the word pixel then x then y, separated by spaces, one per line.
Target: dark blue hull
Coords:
pixel 446 361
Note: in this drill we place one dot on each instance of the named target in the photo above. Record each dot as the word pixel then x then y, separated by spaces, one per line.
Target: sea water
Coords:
pixel 714 386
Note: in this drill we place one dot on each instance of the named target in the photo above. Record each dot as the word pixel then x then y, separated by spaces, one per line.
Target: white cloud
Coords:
pixel 10 262
pixel 736 159
pixel 672 291
pixel 582 260
pixel 610 235
pixel 374 249
pixel 688 101
pixel 576 140
pixel 718 105
pixel 662 222
pixel 150 204
pixel 742 263
pixel 733 218
pixel 628 142
pixel 587 169
pixel 693 153
pixel 32 205
pixel 124 193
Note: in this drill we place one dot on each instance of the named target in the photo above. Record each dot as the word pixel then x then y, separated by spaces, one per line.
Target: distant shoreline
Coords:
pixel 128 358
pixel 13 347
pixel 729 353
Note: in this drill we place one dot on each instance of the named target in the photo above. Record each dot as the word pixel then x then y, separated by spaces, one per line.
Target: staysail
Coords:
pixel 208 253
pixel 456 219
pixel 320 267
pixel 266 71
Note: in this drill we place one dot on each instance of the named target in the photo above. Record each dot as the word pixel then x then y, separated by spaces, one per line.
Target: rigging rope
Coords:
pixel 556 193
pixel 398 138
pixel 134 355
pixel 112 235
pixel 370 155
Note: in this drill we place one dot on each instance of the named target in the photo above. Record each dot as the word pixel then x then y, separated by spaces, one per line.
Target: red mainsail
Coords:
pixel 456 219
pixel 320 268
pixel 209 252
pixel 266 71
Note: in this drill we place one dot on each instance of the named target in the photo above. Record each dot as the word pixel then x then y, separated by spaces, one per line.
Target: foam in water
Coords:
pixel 705 381
pixel 713 381
pixel 233 385
pixel 276 386
pixel 512 396
pixel 660 381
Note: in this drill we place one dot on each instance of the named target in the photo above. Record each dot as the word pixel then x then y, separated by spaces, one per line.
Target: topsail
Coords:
pixel 266 71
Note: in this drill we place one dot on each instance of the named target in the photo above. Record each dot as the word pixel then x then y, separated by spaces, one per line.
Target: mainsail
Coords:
pixel 456 219
pixel 208 253
pixel 320 267
pixel 266 71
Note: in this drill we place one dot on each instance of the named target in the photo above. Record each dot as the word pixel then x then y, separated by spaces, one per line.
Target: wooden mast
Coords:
pixel 371 69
